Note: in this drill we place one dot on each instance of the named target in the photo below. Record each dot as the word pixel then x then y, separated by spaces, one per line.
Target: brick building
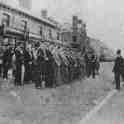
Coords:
pixel 19 22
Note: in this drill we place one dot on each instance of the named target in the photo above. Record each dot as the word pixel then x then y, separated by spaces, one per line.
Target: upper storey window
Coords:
pixel 41 31
pixel 58 36
pixel 24 25
pixel 50 33
pixel 6 19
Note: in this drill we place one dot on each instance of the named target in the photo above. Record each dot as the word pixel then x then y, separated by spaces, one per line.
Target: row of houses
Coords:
pixel 20 25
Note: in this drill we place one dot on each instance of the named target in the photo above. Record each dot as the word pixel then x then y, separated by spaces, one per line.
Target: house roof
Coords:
pixel 28 14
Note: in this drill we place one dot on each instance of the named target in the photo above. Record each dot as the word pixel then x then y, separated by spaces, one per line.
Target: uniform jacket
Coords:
pixel 7 55
pixel 28 57
pixel 19 56
pixel 118 64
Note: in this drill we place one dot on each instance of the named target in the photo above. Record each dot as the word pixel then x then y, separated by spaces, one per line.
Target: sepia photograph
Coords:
pixel 61 62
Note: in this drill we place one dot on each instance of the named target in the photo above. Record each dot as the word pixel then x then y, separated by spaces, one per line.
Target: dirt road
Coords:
pixel 66 104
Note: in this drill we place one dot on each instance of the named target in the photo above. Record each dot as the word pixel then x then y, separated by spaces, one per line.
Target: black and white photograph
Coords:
pixel 61 61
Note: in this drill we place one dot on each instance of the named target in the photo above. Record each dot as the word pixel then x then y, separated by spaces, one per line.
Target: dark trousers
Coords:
pixel 93 70
pixel 5 71
pixel 18 74
pixel 1 69
pixel 88 69
pixel 69 76
pixel 49 79
pixel 117 79
pixel 38 79
pixel 28 73
pixel 36 75
pixel 97 67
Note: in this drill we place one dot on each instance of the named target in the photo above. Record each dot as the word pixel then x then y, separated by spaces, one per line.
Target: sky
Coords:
pixel 104 18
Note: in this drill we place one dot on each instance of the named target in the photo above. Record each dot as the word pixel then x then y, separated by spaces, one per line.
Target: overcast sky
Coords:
pixel 104 18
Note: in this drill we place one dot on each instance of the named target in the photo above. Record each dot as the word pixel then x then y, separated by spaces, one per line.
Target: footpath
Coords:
pixel 111 110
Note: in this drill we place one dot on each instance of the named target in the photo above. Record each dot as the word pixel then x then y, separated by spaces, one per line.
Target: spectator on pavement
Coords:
pixel 117 69
pixel 93 65
pixel 97 65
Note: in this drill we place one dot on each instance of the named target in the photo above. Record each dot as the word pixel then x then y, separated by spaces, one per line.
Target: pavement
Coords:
pixel 109 112
pixel 66 104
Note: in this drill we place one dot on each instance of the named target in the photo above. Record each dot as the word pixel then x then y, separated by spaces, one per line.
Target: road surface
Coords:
pixel 110 113
pixel 66 104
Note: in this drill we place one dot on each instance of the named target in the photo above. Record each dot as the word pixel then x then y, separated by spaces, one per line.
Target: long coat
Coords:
pixel 19 60
pixel 118 66
pixel 7 58
pixel 28 59
pixel 49 72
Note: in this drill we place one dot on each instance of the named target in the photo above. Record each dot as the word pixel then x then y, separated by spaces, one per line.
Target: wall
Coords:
pixel 32 24
pixel 66 36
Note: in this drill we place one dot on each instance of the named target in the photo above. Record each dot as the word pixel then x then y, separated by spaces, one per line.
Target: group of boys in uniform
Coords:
pixel 27 64
pixel 92 64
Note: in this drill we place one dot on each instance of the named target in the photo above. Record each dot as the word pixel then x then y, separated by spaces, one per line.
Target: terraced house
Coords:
pixel 17 24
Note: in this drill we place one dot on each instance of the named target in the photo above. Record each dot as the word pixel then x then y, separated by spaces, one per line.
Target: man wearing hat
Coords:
pixel 19 55
pixel 7 60
pixel 117 68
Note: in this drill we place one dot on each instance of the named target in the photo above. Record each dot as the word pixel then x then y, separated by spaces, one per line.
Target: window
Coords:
pixel 41 31
pixel 50 33
pixel 24 25
pixel 6 19
pixel 74 38
pixel 58 36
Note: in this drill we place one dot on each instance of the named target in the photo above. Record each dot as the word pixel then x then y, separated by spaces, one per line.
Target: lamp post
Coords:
pixel 26 36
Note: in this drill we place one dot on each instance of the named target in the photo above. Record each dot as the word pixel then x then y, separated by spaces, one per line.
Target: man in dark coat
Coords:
pixel 7 61
pixel 117 69
pixel 93 65
pixel 28 59
pixel 49 69
pixel 19 55
pixel 39 69
pixel 97 65
pixel 88 59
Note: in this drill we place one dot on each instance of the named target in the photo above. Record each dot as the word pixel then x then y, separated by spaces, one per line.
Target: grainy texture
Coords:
pixel 65 104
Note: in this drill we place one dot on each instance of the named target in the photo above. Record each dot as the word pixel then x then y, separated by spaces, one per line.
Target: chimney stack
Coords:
pixel 75 24
pixel 44 13
pixel 27 4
